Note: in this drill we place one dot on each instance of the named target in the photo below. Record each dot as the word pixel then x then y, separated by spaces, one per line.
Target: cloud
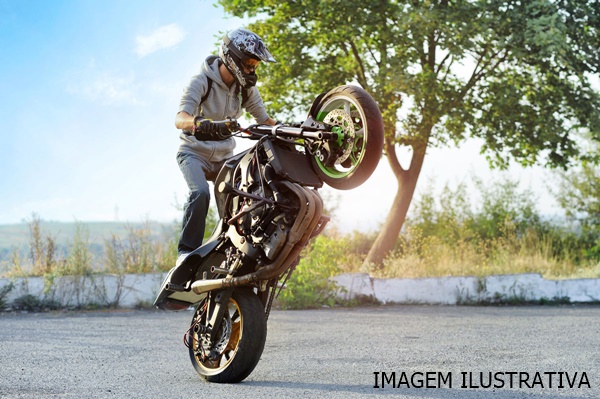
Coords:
pixel 164 37
pixel 105 88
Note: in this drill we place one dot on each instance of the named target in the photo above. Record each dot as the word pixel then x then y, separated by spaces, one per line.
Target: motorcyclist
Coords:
pixel 224 86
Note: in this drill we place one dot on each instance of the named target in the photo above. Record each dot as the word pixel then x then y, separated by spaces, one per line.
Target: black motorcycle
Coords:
pixel 269 209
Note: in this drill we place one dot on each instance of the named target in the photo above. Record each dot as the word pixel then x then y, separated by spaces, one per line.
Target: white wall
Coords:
pixel 129 290
pixel 467 290
pixel 133 290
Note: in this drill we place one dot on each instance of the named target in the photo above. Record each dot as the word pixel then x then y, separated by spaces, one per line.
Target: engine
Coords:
pixel 264 224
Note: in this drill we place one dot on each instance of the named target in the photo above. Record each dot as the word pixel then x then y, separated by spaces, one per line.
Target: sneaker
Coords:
pixel 182 256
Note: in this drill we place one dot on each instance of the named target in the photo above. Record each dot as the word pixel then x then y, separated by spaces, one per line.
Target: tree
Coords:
pixel 513 73
pixel 579 194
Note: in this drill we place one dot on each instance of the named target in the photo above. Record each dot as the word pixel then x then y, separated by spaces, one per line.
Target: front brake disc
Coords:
pixel 339 117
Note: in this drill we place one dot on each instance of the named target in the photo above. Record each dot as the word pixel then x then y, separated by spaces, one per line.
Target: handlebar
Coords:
pixel 310 128
pixel 287 131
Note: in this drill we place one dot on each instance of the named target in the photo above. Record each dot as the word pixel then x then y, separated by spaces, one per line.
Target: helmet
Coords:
pixel 237 48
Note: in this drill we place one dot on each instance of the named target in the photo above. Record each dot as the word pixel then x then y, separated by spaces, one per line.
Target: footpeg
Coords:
pixel 176 287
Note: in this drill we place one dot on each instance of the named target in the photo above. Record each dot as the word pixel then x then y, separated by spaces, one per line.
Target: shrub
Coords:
pixel 134 254
pixel 43 256
pixel 309 285
pixel 79 261
pixel 4 291
pixel 447 235
pixel 32 303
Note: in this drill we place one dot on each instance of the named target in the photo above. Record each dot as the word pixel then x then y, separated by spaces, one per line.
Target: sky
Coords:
pixel 88 96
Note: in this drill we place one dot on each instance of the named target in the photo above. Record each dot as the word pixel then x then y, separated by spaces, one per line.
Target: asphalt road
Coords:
pixel 326 353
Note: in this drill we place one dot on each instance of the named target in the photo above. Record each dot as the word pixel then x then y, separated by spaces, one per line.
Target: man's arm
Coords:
pixel 184 121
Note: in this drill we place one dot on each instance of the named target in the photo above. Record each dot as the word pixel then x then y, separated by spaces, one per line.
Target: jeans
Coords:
pixel 195 170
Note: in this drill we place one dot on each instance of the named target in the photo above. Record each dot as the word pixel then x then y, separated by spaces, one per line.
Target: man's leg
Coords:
pixel 196 207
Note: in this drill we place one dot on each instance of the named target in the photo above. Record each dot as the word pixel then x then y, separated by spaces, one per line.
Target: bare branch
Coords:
pixel 443 62
pixel 362 76
pixel 481 69
pixel 432 44
pixel 447 71
pixel 390 149
pixel 380 62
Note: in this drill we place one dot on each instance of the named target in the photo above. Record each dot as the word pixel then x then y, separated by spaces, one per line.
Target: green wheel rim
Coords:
pixel 358 144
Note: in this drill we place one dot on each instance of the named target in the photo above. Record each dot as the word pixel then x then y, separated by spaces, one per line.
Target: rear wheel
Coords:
pixel 350 160
pixel 239 342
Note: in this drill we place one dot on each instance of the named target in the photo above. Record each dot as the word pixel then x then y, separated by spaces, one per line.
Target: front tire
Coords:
pixel 353 110
pixel 240 340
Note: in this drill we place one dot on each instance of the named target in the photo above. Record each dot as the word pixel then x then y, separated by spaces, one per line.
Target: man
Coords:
pixel 224 86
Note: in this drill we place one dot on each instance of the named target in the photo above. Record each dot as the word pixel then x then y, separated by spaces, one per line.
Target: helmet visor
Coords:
pixel 250 64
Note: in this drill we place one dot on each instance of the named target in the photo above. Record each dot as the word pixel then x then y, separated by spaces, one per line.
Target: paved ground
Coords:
pixel 329 353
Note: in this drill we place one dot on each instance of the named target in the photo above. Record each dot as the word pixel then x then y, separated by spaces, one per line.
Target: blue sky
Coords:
pixel 88 95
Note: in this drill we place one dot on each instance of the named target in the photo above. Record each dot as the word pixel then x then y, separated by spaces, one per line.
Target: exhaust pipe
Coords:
pixel 203 286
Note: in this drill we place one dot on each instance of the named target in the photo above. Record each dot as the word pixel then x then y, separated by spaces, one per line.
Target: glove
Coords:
pixel 207 130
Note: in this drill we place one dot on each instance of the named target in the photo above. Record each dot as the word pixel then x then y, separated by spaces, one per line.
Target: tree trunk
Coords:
pixel 407 182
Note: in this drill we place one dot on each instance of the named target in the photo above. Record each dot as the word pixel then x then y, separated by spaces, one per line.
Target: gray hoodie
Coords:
pixel 222 102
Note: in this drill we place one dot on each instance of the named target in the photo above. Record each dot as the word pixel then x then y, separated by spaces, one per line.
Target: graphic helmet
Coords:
pixel 240 48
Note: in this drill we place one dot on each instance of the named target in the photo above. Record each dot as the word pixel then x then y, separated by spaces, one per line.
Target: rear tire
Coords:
pixel 240 340
pixel 354 109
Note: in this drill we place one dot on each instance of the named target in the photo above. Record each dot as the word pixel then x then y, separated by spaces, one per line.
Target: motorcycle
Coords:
pixel 269 208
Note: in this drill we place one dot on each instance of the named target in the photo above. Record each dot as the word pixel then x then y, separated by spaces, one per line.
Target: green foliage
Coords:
pixel 514 74
pixel 502 203
pixel 4 291
pixel 80 261
pixel 17 236
pixel 32 303
pixel 211 222
pixel 448 235
pixel 134 254
pixel 579 195
pixel 496 231
pixel 167 252
pixel 442 215
pixel 517 75
pixel 139 250
pixel 166 249
pixel 42 248
pixel 309 286
pixel 451 216
pixel 127 248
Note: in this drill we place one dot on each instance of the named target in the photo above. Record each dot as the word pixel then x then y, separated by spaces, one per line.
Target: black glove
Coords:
pixel 205 129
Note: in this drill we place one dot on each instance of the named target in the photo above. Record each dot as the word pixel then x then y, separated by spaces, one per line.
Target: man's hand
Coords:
pixel 205 129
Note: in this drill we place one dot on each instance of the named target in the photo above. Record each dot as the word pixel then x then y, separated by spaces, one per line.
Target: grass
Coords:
pixel 445 236
pixel 432 257
pixel 499 232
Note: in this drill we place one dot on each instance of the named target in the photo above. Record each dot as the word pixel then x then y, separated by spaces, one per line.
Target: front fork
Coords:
pixel 217 306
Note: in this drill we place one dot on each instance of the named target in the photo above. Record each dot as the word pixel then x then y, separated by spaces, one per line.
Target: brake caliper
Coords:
pixel 343 128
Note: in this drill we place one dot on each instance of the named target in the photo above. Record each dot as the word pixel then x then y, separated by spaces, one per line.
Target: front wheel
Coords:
pixel 350 160
pixel 239 343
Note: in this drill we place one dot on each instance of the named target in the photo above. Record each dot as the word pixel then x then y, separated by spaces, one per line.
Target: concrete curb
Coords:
pixel 468 290
pixel 127 290
pixel 132 290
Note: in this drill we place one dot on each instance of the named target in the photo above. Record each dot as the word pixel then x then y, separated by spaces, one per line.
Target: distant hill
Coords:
pixel 16 236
